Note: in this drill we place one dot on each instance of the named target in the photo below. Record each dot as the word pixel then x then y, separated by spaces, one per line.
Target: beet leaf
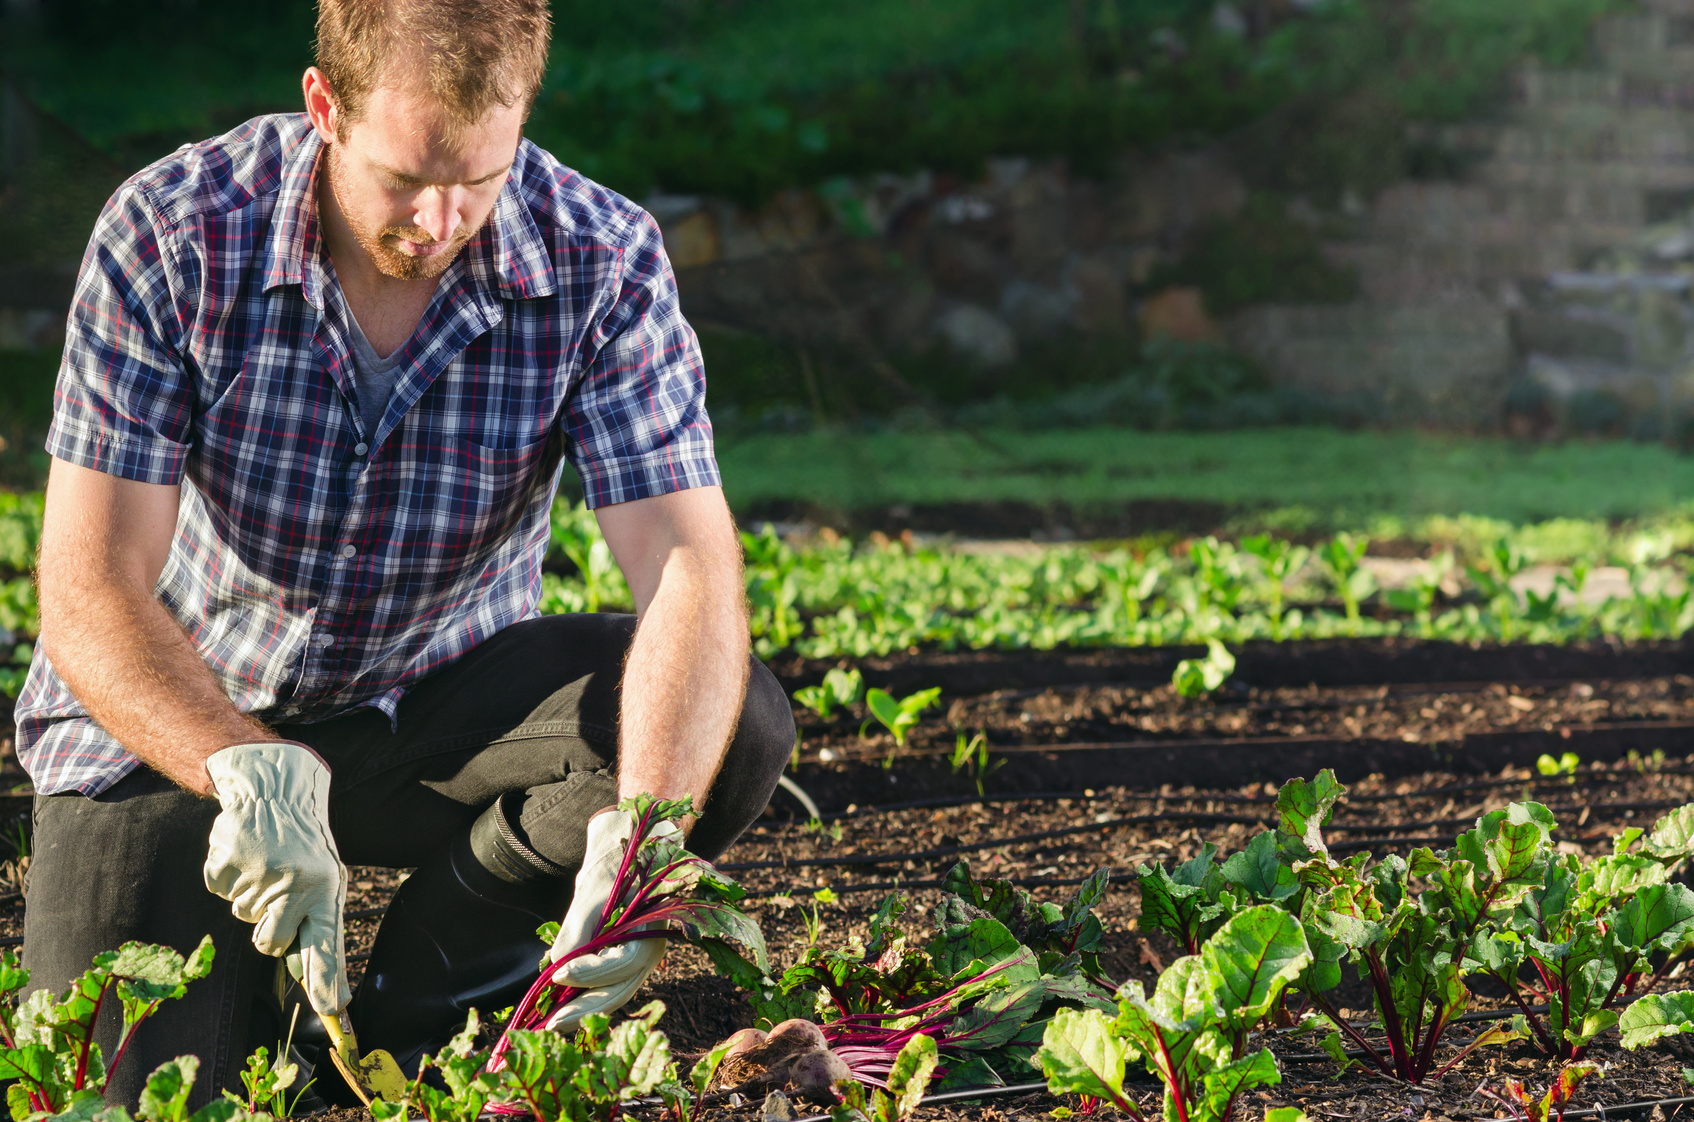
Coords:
pixel 660 891
pixel 48 1043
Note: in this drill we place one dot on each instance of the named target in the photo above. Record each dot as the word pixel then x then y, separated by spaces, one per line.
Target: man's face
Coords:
pixel 415 184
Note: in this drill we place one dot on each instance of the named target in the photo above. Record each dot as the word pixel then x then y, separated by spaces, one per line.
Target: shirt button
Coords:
pixel 324 640
pixel 361 448
pixel 349 552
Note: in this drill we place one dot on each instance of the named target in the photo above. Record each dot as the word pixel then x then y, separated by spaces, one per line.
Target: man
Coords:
pixel 320 375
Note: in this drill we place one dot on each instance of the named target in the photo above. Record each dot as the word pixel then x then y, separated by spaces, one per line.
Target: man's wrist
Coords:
pixel 210 791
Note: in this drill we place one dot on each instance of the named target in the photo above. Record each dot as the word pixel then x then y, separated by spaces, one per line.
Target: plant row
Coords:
pixel 1003 985
pixel 830 598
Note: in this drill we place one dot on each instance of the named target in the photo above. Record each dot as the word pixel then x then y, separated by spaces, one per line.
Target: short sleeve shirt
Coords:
pixel 320 564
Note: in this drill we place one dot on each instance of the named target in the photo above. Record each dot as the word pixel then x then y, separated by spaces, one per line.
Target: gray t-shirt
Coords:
pixel 373 378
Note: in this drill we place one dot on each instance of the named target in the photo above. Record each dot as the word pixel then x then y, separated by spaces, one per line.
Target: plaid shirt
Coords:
pixel 318 566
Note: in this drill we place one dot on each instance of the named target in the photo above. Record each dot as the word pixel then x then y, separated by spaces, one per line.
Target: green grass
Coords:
pixel 1344 477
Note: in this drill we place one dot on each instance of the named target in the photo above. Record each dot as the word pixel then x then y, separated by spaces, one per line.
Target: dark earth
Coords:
pixel 1104 765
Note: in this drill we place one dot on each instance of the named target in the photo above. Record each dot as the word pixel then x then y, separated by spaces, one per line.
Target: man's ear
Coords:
pixel 321 107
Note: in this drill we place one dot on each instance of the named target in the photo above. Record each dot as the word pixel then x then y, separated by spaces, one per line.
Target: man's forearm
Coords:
pixel 685 680
pixel 137 672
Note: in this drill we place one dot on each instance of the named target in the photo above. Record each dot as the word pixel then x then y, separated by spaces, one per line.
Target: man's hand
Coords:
pixel 271 855
pixel 686 676
pixel 104 542
pixel 611 976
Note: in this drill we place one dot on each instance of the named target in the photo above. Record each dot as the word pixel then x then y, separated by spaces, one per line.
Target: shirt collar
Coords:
pixel 509 253
pixel 294 220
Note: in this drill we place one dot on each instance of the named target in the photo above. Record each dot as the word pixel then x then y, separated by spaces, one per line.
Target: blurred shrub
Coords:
pixel 743 97
pixel 1260 255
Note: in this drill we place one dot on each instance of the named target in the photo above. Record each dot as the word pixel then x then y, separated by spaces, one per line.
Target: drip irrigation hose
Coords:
pixel 1574 1115
pixel 958 1096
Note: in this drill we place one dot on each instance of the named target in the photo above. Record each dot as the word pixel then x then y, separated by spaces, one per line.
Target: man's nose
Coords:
pixel 438 212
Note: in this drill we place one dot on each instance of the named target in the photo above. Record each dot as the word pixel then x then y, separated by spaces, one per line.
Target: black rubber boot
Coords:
pixel 460 934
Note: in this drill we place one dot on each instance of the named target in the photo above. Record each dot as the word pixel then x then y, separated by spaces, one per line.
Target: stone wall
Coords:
pixel 1558 266
pixel 898 264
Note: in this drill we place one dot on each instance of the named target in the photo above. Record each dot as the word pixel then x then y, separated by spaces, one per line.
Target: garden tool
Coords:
pixel 373 1076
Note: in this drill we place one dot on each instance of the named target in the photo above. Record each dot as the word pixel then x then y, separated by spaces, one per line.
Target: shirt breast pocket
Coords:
pixel 482 492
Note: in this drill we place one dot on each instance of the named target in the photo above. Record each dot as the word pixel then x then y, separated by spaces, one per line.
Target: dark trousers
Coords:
pixel 532 710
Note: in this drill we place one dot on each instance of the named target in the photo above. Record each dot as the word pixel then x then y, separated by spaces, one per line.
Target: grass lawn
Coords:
pixel 1341 476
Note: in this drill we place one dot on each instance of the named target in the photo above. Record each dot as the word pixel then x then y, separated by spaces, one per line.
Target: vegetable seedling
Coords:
pixel 1515 1097
pixel 660 890
pixel 973 753
pixel 576 534
pixel 1493 578
pixel 840 689
pixel 47 1044
pixel 1192 1031
pixel 267 1081
pixel 977 990
pixel 898 716
pixel 1343 559
pixel 1566 764
pixel 1196 677
pixel 1280 560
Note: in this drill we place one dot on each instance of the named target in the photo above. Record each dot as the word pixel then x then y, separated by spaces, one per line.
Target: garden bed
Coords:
pixel 1106 766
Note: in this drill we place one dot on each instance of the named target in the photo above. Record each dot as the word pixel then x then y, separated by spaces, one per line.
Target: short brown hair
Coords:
pixel 472 54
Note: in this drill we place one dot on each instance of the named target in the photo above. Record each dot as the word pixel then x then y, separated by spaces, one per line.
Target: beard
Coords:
pixel 389 259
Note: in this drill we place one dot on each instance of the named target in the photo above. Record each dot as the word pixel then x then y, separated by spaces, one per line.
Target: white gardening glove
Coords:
pixel 611 976
pixel 272 857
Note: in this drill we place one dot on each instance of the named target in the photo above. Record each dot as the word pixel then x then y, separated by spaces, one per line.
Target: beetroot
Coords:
pixel 744 1041
pixel 757 1059
pixel 797 1030
pixel 813 1075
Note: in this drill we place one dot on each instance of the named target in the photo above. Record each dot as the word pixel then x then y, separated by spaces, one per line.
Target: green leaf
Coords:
pixel 1655 919
pixel 1498 952
pixel 1081 1055
pixel 997 1017
pixel 1259 869
pixel 1286 1114
pixel 1656 1016
pixel 165 1098
pixel 1593 1024
pixel 1672 837
pixel 1350 914
pixel 1338 1052
pixel 13 976
pixel 1195 677
pixel 844 687
pixel 969 939
pixel 1503 1032
pixel 700 1077
pixel 817 699
pixel 891 909
pixel 910 1075
pixel 1254 956
pixel 1185 904
pixel 1223 1083
pixel 637 1057
pixel 1305 808
pixel 706 919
